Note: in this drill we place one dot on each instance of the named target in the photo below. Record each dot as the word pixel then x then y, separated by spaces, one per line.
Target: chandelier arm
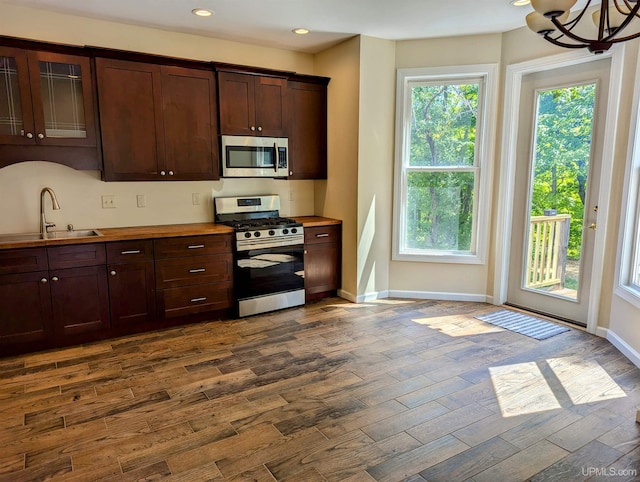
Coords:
pixel 624 39
pixel 568 33
pixel 628 5
pixel 630 16
pixel 557 42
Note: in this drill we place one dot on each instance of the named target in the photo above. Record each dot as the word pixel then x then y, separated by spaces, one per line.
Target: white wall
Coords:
pixel 337 197
pixel 79 192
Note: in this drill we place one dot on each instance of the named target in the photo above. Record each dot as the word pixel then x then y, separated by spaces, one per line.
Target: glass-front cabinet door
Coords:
pixel 45 99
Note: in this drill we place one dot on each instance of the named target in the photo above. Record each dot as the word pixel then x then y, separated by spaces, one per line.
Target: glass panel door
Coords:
pixel 558 163
pixel 62 100
pixel 11 121
pixel 16 119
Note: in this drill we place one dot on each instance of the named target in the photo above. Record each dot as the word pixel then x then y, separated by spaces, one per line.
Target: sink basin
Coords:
pixel 14 238
pixel 80 233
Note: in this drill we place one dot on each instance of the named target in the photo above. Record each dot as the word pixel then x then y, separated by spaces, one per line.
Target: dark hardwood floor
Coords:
pixel 388 391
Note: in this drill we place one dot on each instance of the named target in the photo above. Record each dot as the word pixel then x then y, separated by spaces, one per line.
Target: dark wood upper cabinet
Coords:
pixel 252 105
pixel 47 108
pixel 308 130
pixel 157 122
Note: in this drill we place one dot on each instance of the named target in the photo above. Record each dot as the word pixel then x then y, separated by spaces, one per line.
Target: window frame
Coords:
pixel 628 259
pixel 483 159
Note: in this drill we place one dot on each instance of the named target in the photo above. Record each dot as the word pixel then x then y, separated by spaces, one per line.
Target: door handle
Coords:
pixel 592 226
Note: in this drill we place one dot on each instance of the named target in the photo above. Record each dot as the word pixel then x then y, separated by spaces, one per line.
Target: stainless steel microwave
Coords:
pixel 247 156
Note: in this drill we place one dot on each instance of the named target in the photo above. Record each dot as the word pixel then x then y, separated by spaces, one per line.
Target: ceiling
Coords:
pixel 269 22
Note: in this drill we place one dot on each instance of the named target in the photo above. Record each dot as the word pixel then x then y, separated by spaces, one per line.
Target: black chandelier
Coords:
pixel 551 20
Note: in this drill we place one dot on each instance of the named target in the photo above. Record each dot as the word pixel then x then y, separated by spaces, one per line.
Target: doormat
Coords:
pixel 523 324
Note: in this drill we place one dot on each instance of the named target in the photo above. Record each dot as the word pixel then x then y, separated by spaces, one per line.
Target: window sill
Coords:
pixel 445 258
pixel 629 294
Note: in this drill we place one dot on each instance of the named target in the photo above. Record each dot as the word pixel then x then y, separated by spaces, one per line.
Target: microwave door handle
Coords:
pixel 275 159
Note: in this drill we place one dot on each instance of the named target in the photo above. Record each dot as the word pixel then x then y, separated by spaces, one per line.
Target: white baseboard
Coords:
pixel 433 295
pixel 626 349
pixel 419 295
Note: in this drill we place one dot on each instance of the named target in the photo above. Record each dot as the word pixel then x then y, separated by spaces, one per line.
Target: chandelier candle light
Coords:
pixel 551 20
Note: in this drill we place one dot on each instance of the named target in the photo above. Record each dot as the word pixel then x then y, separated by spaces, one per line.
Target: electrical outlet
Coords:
pixel 291 196
pixel 141 200
pixel 195 198
pixel 108 201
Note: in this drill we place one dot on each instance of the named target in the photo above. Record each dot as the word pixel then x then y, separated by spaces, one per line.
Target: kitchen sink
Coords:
pixel 15 238
pixel 80 233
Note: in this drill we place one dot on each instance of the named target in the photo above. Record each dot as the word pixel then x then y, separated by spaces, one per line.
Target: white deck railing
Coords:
pixel 547 250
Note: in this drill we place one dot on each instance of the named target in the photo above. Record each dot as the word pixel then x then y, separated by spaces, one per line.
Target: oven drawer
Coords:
pixel 193 245
pixel 195 299
pixel 322 234
pixel 174 272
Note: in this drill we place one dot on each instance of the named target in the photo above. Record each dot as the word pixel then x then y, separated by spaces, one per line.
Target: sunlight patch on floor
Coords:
pixel 457 325
pixel 522 389
pixel 585 381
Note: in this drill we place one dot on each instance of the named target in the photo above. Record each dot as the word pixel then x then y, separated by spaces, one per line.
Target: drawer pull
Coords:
pixel 197 270
pixel 133 251
pixel 196 300
pixel 324 235
pixel 195 246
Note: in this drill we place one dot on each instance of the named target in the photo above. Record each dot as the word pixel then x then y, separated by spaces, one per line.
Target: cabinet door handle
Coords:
pixel 253 128
pixel 196 300
pixel 197 270
pixel 323 235
pixel 43 280
pixel 55 278
pixel 132 251
pixel 29 135
pixel 259 128
pixel 113 273
pixel 40 136
pixel 163 173
pixel 195 246
pixel 171 173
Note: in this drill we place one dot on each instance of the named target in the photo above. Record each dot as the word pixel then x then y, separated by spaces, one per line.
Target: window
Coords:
pixel 443 157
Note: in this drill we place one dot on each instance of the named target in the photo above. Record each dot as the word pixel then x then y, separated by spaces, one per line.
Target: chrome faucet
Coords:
pixel 44 224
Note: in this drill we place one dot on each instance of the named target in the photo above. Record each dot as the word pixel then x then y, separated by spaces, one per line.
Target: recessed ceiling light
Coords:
pixel 520 3
pixel 202 12
pixel 301 31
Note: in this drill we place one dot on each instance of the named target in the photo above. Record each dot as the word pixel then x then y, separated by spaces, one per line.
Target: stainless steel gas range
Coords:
pixel 268 254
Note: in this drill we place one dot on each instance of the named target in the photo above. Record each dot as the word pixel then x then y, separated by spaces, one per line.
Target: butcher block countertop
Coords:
pixel 151 232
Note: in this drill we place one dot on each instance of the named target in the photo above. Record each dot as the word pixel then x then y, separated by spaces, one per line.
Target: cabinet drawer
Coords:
pixel 74 256
pixel 23 260
pixel 322 234
pixel 175 272
pixel 195 299
pixel 129 251
pixel 192 245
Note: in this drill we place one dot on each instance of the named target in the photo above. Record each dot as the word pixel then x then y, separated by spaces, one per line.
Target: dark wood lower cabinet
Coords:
pixel 131 284
pixel 69 294
pixel 25 308
pixel 131 294
pixel 80 300
pixel 322 261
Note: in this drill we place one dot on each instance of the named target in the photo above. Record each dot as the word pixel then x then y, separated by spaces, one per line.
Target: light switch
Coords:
pixel 108 201
pixel 141 200
pixel 195 198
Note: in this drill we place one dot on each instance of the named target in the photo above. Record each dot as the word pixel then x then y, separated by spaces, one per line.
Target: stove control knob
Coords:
pixel 247 235
pixel 294 230
pixel 272 232
pixel 257 234
pixel 285 231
